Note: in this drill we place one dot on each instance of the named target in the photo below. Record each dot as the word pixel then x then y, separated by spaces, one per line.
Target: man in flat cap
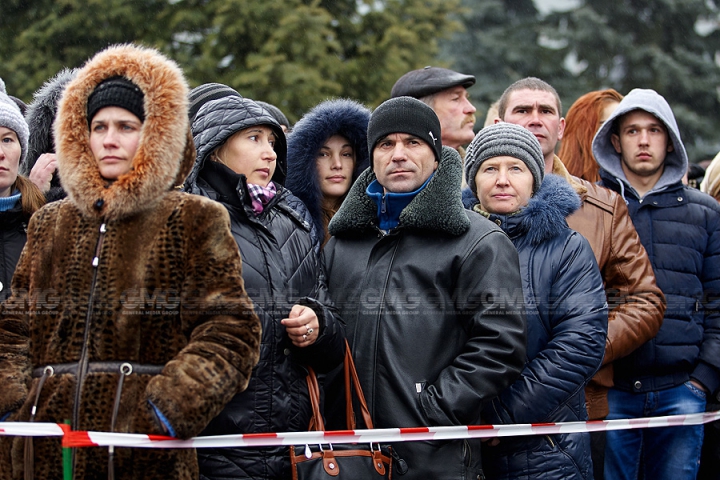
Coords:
pixel 445 91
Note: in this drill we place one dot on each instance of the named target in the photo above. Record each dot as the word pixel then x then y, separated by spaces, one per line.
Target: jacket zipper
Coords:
pixel 83 363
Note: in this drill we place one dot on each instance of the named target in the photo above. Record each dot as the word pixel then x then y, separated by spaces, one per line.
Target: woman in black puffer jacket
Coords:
pixel 19 198
pixel 241 155
pixel 564 303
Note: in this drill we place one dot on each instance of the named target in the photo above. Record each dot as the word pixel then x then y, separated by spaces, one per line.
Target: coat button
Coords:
pixel 679 199
pixel 286 351
pixel 637 385
pixel 499 222
pixel 1 286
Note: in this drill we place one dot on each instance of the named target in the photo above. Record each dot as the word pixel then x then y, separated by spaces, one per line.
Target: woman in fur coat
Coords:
pixel 564 304
pixel 327 151
pixel 128 311
pixel 241 161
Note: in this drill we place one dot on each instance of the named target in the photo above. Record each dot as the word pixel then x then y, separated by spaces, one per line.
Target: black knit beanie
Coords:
pixel 116 92
pixel 505 140
pixel 405 115
pixel 207 92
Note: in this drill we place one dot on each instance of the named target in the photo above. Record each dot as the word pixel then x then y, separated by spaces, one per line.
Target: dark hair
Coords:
pixel 528 83
pixel 581 124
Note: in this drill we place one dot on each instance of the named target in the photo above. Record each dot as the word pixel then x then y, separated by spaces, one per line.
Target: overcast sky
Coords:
pixel 546 6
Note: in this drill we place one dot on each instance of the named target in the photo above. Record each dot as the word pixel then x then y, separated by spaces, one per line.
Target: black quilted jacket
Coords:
pixel 12 240
pixel 281 267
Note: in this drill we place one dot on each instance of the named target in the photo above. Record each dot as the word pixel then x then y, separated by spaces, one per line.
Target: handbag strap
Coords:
pixel 316 422
pixel 351 374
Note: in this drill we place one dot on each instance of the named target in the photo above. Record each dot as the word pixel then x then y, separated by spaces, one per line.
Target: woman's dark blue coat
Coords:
pixel 567 320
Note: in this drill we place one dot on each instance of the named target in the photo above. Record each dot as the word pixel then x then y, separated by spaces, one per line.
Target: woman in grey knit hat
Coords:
pixel 564 302
pixel 19 198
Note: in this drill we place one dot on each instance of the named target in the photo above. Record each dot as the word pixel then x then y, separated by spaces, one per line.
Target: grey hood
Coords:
pixel 676 162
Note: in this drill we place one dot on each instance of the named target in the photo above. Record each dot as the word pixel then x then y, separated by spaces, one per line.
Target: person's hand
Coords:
pixel 699 386
pixel 302 326
pixel 42 172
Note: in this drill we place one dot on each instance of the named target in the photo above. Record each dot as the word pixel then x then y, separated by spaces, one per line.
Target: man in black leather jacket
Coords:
pixel 431 293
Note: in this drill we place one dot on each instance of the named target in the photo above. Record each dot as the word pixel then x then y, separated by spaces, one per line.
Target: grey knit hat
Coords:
pixel 405 115
pixel 505 139
pixel 10 117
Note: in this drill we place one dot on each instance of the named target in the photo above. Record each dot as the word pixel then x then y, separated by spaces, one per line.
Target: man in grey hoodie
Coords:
pixel 643 158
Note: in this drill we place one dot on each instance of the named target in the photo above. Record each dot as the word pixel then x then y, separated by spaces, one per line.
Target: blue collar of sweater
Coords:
pixel 390 205
pixel 8 203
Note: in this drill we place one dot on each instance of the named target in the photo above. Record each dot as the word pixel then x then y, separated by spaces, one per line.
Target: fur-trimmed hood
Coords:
pixel 437 207
pixel 544 216
pixel 332 117
pixel 165 154
pixel 41 115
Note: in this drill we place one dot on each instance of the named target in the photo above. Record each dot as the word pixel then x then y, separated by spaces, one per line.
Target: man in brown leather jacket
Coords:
pixel 636 303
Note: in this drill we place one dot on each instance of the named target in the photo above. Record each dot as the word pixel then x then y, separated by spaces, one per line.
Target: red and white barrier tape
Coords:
pixel 386 435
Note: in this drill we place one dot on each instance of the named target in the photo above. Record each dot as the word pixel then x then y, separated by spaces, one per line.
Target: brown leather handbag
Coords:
pixel 346 462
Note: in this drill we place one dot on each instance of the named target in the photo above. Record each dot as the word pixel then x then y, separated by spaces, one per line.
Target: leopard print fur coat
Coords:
pixel 130 271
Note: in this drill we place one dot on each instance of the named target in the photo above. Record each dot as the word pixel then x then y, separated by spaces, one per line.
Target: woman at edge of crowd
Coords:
pixel 327 151
pixel 564 301
pixel 582 121
pixel 19 197
pixel 241 163
pixel 123 245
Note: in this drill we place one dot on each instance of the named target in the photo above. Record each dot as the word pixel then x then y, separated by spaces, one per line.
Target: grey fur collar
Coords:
pixel 437 207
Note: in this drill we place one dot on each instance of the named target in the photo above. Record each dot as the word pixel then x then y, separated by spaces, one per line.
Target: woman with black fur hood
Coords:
pixel 327 151
pixel 564 304
pixel 241 154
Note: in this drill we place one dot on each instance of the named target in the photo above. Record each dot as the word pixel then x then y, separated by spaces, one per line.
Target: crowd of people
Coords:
pixel 176 261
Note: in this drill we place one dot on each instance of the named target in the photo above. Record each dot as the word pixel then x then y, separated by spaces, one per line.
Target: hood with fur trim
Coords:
pixel 41 115
pixel 165 153
pixel 437 207
pixel 332 117
pixel 544 216
pixel 676 162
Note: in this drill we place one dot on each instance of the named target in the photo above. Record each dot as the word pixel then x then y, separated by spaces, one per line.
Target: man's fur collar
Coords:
pixel 165 154
pixel 437 207
pixel 544 216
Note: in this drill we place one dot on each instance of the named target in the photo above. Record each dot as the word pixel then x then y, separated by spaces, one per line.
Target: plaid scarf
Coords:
pixel 261 196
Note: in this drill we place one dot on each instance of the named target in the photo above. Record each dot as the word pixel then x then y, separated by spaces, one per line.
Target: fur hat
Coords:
pixel 405 115
pixel 505 139
pixel 12 118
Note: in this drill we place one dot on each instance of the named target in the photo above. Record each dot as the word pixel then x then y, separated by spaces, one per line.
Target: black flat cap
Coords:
pixel 429 80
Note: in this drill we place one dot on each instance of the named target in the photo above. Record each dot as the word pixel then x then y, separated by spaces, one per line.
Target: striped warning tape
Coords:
pixel 383 435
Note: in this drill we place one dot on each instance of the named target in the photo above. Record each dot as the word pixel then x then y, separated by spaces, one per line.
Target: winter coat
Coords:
pixel 636 303
pixel 13 223
pixel 680 229
pixel 129 271
pixel 281 267
pixel 429 310
pixel 567 324
pixel 40 117
pixel 333 117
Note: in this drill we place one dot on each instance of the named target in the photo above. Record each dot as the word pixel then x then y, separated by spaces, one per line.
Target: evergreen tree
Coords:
pixel 650 44
pixel 40 37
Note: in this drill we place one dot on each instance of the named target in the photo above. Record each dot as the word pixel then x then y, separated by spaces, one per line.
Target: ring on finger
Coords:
pixel 310 330
pixel 307 328
pixel 304 337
